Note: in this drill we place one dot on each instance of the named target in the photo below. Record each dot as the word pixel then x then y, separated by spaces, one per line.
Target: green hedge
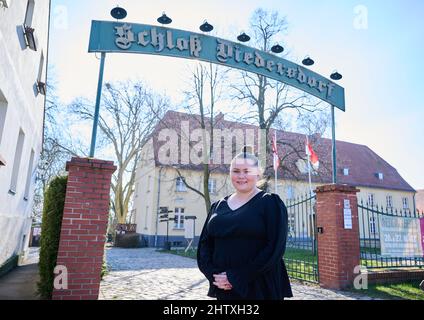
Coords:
pixel 54 202
pixel 128 240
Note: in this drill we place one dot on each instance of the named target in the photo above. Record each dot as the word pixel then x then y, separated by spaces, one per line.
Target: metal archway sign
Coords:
pixel 147 39
pixel 118 37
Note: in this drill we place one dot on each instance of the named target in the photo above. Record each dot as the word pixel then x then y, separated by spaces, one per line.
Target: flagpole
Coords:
pixel 309 164
pixel 275 171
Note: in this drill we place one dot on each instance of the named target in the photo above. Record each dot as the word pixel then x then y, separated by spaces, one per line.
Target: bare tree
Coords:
pixel 57 148
pixel 206 83
pixel 128 115
pixel 270 97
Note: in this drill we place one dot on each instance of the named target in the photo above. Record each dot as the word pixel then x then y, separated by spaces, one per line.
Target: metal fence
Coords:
pixel 301 256
pixel 370 238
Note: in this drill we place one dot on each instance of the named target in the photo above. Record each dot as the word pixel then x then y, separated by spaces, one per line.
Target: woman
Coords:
pixel 244 238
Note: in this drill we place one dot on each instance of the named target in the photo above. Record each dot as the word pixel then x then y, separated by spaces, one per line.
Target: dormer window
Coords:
pixel 379 175
pixel 345 171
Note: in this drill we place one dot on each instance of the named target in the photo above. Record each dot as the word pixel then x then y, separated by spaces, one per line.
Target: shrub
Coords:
pixel 54 202
pixel 104 270
pixel 128 240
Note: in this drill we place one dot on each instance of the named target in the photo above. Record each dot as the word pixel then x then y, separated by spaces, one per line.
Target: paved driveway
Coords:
pixel 21 282
pixel 144 274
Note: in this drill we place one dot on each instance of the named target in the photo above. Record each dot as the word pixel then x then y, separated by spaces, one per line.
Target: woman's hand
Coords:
pixel 222 282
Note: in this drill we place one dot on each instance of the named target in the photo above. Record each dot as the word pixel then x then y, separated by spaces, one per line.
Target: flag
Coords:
pixel 313 158
pixel 275 153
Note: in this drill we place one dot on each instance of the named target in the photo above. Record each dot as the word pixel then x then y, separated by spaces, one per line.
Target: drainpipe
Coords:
pixel 157 208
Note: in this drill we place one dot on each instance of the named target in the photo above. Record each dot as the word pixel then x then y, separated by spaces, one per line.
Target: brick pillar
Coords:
pixel 84 224
pixel 338 247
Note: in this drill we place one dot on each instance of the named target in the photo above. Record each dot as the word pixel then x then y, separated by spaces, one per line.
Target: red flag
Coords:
pixel 312 155
pixel 275 153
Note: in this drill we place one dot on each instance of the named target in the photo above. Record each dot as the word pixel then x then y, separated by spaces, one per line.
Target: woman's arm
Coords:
pixel 205 250
pixel 276 221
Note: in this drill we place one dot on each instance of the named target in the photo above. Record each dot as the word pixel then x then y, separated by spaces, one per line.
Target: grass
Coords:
pixel 191 253
pixel 397 291
pixel 370 250
pixel 301 264
pixel 300 254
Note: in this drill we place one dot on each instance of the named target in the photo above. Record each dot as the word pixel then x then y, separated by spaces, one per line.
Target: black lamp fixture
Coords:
pixel 243 37
pixel 336 76
pixel 308 61
pixel 206 27
pixel 277 48
pixel 118 13
pixel 164 19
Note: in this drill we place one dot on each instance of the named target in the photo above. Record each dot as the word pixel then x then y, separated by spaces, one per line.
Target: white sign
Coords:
pixel 346 203
pixel 400 236
pixel 189 228
pixel 347 214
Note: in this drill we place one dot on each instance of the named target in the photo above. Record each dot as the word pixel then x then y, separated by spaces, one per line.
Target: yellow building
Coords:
pixel 176 143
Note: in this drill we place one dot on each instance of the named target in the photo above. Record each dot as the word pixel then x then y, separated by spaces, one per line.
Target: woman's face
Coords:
pixel 244 175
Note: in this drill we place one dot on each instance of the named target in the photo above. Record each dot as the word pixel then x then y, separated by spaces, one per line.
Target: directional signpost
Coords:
pixel 164 217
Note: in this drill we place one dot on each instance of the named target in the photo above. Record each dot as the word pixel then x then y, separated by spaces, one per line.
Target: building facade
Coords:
pixel 24 26
pixel 158 183
pixel 419 199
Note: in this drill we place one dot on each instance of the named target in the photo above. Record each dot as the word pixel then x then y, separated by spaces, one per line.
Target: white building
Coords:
pixel 24 26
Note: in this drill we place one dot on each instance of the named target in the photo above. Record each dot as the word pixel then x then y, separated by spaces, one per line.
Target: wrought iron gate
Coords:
pixel 371 237
pixel 301 256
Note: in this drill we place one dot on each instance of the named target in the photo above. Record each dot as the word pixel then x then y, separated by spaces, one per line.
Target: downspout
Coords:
pixel 157 208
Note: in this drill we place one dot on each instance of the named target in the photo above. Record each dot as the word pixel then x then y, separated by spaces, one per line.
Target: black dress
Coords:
pixel 248 244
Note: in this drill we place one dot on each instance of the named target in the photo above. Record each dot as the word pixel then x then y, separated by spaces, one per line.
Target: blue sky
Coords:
pixel 377 45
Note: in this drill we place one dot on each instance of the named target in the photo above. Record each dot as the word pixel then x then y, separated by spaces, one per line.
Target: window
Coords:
pixel 41 68
pixel 17 162
pixel 3 109
pixel 346 171
pixel 389 201
pixel 371 199
pixel 29 13
pixel 28 31
pixel 149 183
pixel 179 218
pixel 405 204
pixel 29 175
pixel 212 185
pixel 134 216
pixel 372 225
pixel 23 243
pixel 291 222
pixel 41 84
pixel 180 185
pixel 145 217
pixel 136 189
pixel 290 192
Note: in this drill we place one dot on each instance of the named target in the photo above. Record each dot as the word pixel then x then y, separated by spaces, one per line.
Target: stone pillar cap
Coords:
pixel 90 162
pixel 336 187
